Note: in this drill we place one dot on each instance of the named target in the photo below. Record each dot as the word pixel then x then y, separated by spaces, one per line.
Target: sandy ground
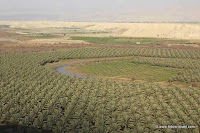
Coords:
pixel 55 41
pixel 47 36
pixel 10 47
pixel 160 30
pixel 186 45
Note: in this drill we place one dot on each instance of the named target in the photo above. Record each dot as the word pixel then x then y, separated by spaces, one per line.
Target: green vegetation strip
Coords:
pixel 129 70
pixel 127 40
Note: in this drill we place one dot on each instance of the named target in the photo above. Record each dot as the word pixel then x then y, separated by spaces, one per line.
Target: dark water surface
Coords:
pixel 63 70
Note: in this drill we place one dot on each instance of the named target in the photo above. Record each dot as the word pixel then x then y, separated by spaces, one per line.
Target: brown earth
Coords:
pixel 23 48
pixel 39 42
pixel 15 47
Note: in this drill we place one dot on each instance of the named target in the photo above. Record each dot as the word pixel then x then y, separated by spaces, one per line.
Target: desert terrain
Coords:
pixel 160 30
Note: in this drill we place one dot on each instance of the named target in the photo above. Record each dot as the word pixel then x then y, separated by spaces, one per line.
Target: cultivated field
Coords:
pixel 138 80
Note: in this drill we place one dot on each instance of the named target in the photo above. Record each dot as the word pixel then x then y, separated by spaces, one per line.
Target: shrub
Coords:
pixel 133 78
pixel 195 84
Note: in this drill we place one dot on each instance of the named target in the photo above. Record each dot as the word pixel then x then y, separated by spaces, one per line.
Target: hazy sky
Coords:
pixel 101 10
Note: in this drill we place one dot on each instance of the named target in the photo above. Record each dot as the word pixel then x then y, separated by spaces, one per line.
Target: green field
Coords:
pixel 128 70
pixel 128 40
pixel 38 36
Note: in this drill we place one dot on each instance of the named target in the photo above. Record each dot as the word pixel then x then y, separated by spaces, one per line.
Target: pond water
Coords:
pixel 63 70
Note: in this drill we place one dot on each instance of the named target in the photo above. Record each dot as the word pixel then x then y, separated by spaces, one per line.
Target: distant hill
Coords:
pixel 160 30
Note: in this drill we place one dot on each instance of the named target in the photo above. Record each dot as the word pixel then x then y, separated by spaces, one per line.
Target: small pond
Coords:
pixel 63 70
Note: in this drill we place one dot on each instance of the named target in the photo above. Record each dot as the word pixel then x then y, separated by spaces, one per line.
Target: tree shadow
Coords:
pixel 21 129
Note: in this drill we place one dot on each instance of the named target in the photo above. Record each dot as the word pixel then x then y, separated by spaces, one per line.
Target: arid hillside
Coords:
pixel 160 30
